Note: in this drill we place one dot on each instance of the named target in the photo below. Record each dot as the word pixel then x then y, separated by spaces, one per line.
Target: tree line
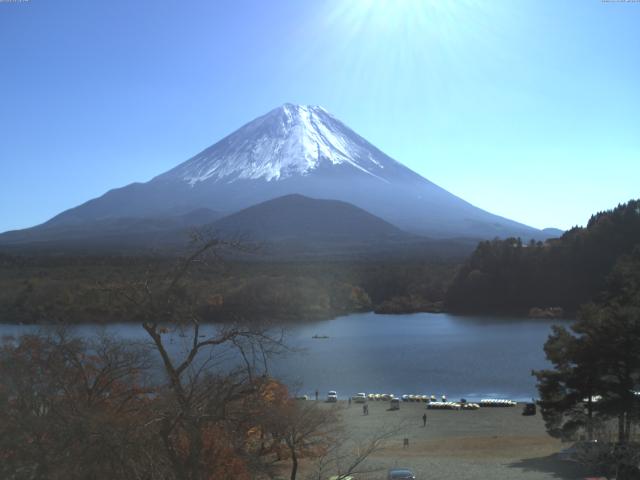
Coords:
pixel 513 276
pixel 75 289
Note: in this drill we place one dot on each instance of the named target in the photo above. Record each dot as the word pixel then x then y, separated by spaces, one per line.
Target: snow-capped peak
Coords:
pixel 287 141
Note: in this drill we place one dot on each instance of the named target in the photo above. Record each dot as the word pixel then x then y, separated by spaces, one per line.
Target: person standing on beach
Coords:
pixel 349 401
pixel 316 395
pixel 424 420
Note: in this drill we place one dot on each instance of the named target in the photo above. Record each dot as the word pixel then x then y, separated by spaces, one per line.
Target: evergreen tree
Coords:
pixel 595 377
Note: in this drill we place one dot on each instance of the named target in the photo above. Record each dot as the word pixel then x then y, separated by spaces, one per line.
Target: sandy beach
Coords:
pixel 490 443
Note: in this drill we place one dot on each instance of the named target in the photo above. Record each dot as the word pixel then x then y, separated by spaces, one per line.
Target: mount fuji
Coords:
pixel 292 150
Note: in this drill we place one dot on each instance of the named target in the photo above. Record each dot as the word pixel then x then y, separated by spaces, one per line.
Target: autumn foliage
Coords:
pixel 71 408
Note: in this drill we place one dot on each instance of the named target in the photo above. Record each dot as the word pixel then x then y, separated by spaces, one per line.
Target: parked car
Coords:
pixel 401 474
pixel 332 396
pixel 360 398
pixel 395 405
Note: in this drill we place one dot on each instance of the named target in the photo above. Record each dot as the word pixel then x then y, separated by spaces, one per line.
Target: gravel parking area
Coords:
pixel 490 443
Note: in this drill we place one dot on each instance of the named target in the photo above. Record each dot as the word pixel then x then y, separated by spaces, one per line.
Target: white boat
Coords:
pixel 497 402
pixel 444 406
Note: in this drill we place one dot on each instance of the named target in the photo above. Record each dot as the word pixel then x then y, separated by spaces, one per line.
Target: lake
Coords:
pixel 460 356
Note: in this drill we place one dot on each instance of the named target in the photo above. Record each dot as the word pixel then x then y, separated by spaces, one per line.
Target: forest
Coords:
pixel 512 276
pixel 80 289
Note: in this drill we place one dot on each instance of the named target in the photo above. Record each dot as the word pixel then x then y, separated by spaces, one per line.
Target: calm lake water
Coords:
pixel 460 356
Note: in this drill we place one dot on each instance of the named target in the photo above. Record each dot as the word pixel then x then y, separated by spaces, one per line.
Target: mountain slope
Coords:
pixel 553 232
pixel 123 233
pixel 295 150
pixel 295 226
pixel 295 217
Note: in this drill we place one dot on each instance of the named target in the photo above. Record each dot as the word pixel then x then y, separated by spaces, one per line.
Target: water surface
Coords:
pixel 460 356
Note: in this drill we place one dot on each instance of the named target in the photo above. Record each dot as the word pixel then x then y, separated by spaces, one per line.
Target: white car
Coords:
pixel 332 396
pixel 360 398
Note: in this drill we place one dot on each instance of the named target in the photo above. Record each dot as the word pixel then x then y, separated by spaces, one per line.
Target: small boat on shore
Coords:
pixel 497 402
pixel 444 406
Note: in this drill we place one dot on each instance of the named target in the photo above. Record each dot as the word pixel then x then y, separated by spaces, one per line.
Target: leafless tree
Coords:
pixel 348 455
pixel 303 428
pixel 200 386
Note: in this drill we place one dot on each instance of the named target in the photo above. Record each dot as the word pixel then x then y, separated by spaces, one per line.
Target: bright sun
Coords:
pixel 402 14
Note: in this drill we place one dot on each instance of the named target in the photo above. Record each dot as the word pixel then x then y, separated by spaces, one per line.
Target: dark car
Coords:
pixel 401 474
pixel 529 409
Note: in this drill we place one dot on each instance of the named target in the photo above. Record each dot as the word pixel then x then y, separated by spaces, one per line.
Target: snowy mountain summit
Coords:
pixel 291 151
pixel 289 140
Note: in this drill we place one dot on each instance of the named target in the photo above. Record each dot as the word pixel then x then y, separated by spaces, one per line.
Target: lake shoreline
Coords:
pixel 296 320
pixel 422 353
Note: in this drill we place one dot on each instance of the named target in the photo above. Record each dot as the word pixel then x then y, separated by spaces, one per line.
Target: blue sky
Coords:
pixel 527 109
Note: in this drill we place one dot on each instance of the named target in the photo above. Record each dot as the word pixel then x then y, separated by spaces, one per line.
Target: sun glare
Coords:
pixel 408 25
pixel 394 46
pixel 394 14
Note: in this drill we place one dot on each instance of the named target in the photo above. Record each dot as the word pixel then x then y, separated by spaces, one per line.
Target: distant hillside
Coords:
pixel 295 226
pixel 553 232
pixel 121 234
pixel 296 217
pixel 291 227
pixel 507 275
